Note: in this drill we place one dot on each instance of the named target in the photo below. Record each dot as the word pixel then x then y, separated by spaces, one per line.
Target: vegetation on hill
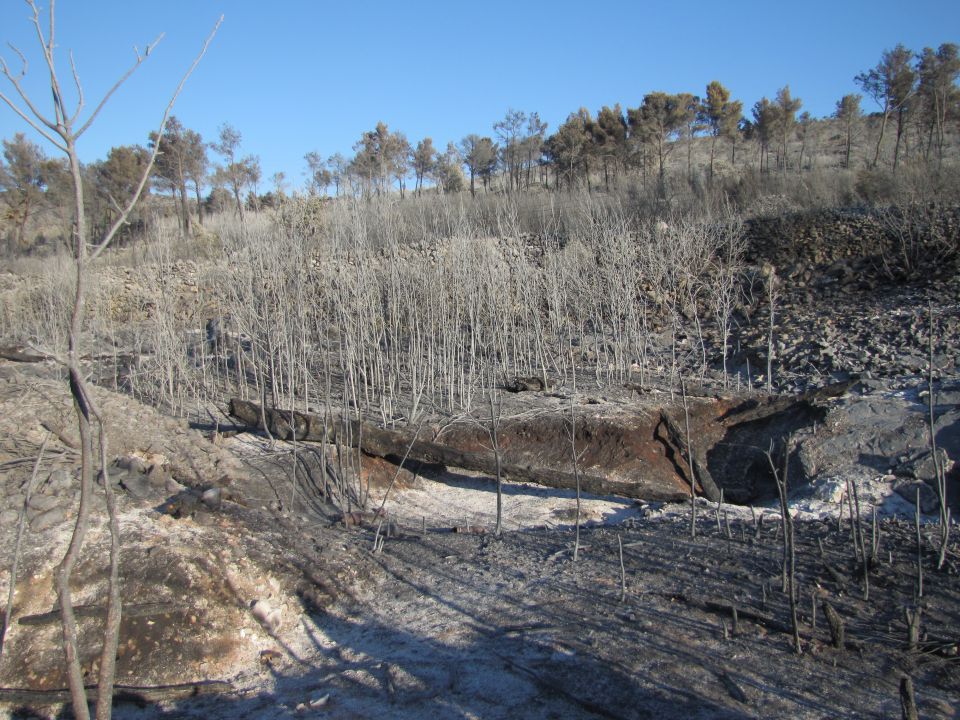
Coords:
pixel 672 149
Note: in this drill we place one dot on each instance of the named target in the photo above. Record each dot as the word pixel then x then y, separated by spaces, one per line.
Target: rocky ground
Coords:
pixel 251 596
pixel 288 613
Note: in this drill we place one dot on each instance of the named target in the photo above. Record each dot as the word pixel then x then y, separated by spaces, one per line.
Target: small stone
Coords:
pixel 271 618
pixel 48 519
pixel 9 518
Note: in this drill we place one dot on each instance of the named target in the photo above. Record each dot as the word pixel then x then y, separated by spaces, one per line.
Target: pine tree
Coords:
pixel 848 112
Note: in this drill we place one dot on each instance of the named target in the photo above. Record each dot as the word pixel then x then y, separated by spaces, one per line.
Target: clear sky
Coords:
pixel 301 75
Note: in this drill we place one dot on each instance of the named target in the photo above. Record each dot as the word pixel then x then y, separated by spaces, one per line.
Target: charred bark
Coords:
pixel 392 445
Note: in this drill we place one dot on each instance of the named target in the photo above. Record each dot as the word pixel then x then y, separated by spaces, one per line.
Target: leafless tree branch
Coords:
pixel 132 69
pixel 122 218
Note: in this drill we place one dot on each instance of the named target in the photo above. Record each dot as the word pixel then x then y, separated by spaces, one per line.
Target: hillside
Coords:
pixel 264 575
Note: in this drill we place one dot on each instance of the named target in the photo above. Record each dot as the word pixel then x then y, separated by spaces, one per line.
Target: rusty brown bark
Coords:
pixel 392 444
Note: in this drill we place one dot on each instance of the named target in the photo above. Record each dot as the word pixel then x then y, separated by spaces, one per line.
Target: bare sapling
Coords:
pixel 725 288
pixel 840 512
pixel 693 479
pixel 916 518
pixel 912 619
pixel 396 475
pixel 378 539
pixel 21 527
pixel 63 130
pixel 575 457
pixel 772 298
pixel 493 430
pixel 623 572
pixel 789 549
pixel 941 477
pixel 853 522
pixel 908 700
pixel 861 543
pixel 716 512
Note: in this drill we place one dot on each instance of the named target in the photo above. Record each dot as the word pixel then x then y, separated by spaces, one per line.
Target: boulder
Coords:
pixel 922 466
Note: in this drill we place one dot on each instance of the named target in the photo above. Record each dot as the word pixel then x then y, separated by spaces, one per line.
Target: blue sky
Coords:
pixel 297 76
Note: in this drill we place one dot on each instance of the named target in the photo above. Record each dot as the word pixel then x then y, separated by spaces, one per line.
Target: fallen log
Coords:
pixel 99 611
pixel 702 476
pixel 129 693
pixel 21 354
pixel 393 445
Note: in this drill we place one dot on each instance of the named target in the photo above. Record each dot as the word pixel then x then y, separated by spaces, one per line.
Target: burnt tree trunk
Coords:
pixel 393 445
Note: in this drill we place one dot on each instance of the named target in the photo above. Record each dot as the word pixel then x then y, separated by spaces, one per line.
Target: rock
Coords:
pixel 48 519
pixel 131 463
pixel 58 481
pixel 525 384
pixel 42 503
pixel 907 489
pixel 270 617
pixel 922 467
pixel 172 486
pixel 138 485
pixel 202 517
pixel 158 476
pixel 116 476
pixel 829 490
pixel 182 505
pixel 212 498
pixel 8 518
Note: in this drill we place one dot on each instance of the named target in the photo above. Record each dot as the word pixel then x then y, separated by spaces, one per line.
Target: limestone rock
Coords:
pixel 48 519
pixel 42 503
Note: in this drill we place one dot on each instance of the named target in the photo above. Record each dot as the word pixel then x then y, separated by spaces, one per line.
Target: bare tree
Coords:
pixel 63 129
